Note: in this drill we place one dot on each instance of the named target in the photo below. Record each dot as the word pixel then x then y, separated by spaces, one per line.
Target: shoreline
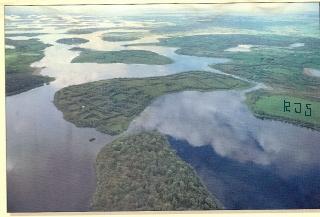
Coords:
pixel 288 121
pixel 20 75
pixel 252 99
pixel 137 93
pixel 147 155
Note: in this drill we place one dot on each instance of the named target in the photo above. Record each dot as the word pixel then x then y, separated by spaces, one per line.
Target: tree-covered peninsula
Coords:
pixel 142 172
pixel 110 105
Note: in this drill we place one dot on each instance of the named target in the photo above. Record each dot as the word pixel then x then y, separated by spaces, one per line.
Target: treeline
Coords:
pixel 142 172
pixel 110 105
pixel 19 73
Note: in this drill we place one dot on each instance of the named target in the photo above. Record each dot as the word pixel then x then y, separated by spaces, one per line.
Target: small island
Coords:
pixel 84 30
pixel 110 105
pixel 142 172
pixel 122 56
pixel 72 41
pixel 121 36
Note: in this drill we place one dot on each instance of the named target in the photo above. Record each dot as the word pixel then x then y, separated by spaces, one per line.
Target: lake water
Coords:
pixel 248 163
pixel 296 45
pixel 50 162
pixel 312 72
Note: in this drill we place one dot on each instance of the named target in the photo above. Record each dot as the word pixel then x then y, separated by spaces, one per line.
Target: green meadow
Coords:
pixel 270 105
pixel 270 60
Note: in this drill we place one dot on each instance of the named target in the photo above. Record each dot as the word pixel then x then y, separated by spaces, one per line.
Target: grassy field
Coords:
pixel 270 105
pixel 122 56
pixel 142 172
pixel 110 105
pixel 72 41
pixel 121 36
pixel 280 68
pixel 271 61
pixel 19 74
pixel 214 45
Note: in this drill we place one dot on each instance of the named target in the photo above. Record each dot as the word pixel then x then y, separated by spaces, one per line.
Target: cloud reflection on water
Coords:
pixel 222 120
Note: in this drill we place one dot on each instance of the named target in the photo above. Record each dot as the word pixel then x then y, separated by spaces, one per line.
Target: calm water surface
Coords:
pixel 248 163
pixel 50 162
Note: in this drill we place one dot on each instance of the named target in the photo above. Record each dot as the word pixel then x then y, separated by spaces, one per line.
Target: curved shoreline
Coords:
pixel 142 172
pixel 85 104
pixel 125 75
pixel 288 121
pixel 20 75
pixel 200 81
pixel 271 111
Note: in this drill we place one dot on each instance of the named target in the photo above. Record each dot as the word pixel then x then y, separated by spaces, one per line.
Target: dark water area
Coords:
pixel 248 185
pixel 246 162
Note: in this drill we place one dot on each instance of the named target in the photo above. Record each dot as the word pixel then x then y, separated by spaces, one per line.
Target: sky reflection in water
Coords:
pixel 247 163
pixel 48 157
pixel 50 161
pixel 222 120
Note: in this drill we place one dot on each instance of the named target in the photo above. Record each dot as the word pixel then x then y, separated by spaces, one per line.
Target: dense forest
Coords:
pixel 142 172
